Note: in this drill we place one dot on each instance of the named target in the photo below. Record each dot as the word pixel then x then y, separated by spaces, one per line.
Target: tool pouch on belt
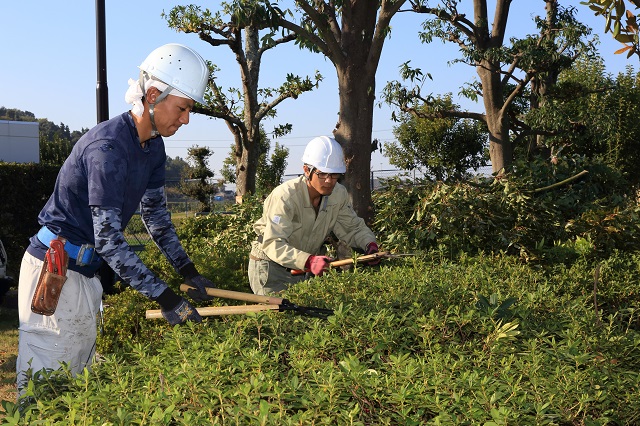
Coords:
pixel 52 278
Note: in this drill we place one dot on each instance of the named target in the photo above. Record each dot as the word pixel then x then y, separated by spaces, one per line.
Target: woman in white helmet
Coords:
pixel 114 169
pixel 299 215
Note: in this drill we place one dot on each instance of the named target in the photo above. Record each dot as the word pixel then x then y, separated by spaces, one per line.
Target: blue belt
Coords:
pixel 83 255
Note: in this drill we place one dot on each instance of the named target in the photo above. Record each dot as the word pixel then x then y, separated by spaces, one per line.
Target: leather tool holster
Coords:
pixel 52 278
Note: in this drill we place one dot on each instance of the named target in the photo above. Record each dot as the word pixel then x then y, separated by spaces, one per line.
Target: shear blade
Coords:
pixel 306 310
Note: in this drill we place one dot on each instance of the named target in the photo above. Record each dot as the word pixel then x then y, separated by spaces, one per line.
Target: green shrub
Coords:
pixel 123 322
pixel 522 213
pixel 479 340
pixel 460 333
pixel 24 190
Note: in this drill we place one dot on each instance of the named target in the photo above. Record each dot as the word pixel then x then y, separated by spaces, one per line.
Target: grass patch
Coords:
pixel 8 353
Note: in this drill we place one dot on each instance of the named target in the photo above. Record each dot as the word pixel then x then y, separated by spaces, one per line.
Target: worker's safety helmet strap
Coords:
pixel 180 67
pixel 325 154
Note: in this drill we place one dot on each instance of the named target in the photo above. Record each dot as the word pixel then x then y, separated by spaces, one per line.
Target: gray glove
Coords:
pixel 200 284
pixel 183 312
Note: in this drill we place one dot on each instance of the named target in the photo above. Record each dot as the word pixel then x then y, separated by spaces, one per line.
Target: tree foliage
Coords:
pixel 594 114
pixel 14 114
pixel 539 211
pixel 504 70
pixel 270 169
pixel 247 28
pixel 175 169
pixel 620 21
pixel 56 151
pixel 442 148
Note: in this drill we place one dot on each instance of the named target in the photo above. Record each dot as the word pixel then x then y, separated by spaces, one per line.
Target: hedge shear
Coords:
pixel 360 259
pixel 265 303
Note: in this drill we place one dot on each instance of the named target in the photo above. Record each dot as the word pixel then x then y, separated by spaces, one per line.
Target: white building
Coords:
pixel 19 141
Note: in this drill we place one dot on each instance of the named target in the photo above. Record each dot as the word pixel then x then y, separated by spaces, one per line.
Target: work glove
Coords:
pixel 198 282
pixel 317 264
pixel 182 313
pixel 371 249
pixel 175 309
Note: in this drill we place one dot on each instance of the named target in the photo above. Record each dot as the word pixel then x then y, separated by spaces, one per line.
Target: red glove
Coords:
pixel 371 249
pixel 317 264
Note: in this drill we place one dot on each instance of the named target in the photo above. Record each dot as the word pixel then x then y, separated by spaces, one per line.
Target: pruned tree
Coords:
pixel 174 169
pixel 504 71
pixel 249 32
pixel 351 35
pixel 198 178
pixel 594 114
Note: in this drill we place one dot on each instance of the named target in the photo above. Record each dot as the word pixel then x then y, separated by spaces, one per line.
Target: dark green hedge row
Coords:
pixel 24 188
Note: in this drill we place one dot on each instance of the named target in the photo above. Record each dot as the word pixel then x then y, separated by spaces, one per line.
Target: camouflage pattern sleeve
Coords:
pixel 114 249
pixel 157 220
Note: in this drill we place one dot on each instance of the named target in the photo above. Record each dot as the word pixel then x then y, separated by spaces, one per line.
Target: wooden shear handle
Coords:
pixel 238 295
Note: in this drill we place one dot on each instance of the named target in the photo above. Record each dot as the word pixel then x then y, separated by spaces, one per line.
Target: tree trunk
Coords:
pixel 500 149
pixel 489 70
pixel 353 131
pixel 354 46
pixel 363 30
pixel 247 167
pixel 248 137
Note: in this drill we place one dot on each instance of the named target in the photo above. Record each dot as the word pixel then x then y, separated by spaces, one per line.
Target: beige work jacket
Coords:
pixel 291 232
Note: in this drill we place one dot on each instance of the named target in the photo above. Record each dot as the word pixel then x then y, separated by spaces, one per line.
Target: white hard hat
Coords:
pixel 180 67
pixel 325 154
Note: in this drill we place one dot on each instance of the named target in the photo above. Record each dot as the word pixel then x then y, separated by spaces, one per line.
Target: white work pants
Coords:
pixel 68 336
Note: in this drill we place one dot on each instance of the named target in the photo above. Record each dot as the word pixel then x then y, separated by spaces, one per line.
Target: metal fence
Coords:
pixel 188 207
pixel 378 176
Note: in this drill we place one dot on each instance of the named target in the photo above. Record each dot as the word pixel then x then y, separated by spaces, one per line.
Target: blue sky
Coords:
pixel 49 68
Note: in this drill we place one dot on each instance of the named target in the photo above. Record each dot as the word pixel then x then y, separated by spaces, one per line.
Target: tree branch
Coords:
pixel 557 184
pixel 444 114
pixel 459 21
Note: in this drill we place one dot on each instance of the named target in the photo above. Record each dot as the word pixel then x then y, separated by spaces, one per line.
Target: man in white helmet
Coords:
pixel 299 215
pixel 115 169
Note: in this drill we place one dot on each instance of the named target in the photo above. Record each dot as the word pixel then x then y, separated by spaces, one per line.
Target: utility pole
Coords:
pixel 107 275
pixel 102 91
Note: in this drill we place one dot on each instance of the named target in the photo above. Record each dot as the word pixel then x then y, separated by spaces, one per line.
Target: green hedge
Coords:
pixel 482 340
pixel 24 189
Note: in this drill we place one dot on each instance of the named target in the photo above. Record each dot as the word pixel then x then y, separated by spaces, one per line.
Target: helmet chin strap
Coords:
pixel 154 130
pixel 310 175
pixel 143 78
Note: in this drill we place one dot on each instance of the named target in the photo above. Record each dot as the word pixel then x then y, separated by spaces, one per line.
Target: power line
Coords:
pixel 276 139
